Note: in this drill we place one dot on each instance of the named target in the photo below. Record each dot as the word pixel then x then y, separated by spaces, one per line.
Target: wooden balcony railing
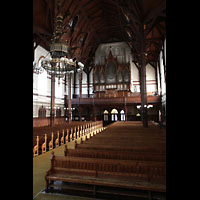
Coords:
pixel 114 100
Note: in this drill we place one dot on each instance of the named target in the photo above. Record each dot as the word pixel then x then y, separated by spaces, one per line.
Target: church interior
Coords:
pixel 99 99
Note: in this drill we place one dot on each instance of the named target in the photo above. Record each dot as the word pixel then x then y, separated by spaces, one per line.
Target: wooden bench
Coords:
pixel 149 176
pixel 144 156
pixel 128 142
pixel 47 139
pixel 121 148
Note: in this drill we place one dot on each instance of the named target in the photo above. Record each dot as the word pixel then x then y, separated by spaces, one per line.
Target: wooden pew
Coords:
pixel 47 139
pixel 114 155
pixel 108 173
pixel 120 148
pixel 137 162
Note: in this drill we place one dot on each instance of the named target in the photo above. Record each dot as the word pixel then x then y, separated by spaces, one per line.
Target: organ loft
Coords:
pixel 99 99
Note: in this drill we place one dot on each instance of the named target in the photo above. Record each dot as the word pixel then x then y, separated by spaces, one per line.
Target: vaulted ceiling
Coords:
pixel 88 23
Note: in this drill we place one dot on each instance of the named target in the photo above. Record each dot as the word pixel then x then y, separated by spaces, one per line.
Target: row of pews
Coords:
pixel 125 161
pixel 48 138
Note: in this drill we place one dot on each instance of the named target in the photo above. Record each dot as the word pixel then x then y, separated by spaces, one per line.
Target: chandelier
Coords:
pixel 36 68
pixel 59 63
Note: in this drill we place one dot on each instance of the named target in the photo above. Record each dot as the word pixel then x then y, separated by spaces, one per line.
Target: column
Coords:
pixel 143 92
pixel 159 71
pixel 88 83
pixel 52 113
pixel 74 93
pixel 80 85
pixel 163 56
pixel 69 99
pixel 125 110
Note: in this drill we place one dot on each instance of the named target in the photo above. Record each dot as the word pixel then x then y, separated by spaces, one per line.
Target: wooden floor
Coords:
pixel 41 164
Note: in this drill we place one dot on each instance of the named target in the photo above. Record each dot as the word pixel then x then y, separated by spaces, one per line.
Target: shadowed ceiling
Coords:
pixel 88 23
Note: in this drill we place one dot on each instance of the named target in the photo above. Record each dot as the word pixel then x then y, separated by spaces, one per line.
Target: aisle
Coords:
pixel 41 164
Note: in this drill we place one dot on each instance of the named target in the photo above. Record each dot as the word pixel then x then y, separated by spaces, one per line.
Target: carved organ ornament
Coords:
pixel 111 76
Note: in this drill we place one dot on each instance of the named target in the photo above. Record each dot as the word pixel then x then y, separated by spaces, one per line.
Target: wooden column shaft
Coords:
pixel 69 98
pixel 88 84
pixel 80 84
pixel 143 91
pixel 74 93
pixel 52 113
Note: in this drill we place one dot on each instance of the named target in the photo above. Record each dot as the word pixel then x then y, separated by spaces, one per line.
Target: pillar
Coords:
pixel 88 83
pixel 52 113
pixel 80 84
pixel 143 92
pixel 125 112
pixel 74 93
pixel 69 99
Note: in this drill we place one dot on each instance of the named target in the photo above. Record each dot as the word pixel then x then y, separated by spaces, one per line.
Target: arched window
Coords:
pixel 105 113
pixel 122 115
pixel 114 113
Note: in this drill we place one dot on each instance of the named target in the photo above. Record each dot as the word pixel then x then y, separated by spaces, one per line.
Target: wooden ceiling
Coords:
pixel 88 23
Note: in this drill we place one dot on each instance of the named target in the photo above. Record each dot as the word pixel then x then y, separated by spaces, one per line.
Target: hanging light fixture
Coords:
pixel 60 64
pixel 36 68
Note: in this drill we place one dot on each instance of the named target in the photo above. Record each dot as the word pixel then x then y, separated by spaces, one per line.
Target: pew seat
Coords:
pixel 107 173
